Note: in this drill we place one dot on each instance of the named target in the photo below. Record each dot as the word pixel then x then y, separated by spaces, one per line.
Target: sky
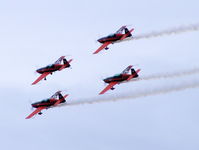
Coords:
pixel 36 33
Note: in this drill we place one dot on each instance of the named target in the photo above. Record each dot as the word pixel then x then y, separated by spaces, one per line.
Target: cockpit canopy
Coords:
pixel 50 66
pixel 45 100
pixel 117 75
pixel 110 35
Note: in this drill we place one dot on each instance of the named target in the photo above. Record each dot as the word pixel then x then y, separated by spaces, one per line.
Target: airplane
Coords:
pixel 118 78
pixel 53 101
pixel 112 38
pixel 52 68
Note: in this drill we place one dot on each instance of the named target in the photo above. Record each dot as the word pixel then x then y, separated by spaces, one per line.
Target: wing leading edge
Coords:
pixel 35 112
pixel 102 47
pixel 108 87
pixel 42 76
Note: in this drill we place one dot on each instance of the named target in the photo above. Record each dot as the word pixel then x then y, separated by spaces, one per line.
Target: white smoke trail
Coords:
pixel 137 94
pixel 169 75
pixel 175 30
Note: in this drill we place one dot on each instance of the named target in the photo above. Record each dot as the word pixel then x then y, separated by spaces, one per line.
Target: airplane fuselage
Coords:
pixel 51 68
pixel 117 78
pixel 46 103
pixel 110 38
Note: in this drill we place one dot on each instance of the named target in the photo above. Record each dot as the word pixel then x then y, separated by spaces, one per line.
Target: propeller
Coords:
pixel 98 37
pixel 102 79
pixel 30 102
pixel 35 68
pixel 31 108
pixel 35 73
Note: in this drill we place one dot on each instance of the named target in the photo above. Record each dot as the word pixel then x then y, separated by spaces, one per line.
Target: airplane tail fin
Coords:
pixel 62 98
pixel 127 32
pixel 134 72
pixel 66 62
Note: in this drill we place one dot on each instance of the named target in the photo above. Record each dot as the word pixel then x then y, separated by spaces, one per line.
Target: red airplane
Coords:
pixel 112 38
pixel 53 101
pixel 118 78
pixel 52 68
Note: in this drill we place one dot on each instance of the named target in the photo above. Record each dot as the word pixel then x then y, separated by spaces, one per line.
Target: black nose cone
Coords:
pixel 39 70
pixel 105 80
pixel 100 40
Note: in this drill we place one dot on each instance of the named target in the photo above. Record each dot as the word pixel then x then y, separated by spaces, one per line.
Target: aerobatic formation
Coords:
pixel 121 35
pixel 62 63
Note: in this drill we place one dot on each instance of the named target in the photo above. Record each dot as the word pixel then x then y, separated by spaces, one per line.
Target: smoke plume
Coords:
pixel 175 30
pixel 148 91
pixel 170 75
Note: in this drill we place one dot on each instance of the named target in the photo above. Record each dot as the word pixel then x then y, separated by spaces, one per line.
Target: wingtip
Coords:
pixel 34 83
pixel 101 93
pixel 66 95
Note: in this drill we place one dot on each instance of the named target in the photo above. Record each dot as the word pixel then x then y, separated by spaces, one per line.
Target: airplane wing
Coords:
pixel 121 29
pixel 65 65
pixel 70 61
pixel 125 35
pixel 59 60
pixel 65 95
pixel 102 47
pixel 137 71
pixel 58 102
pixel 55 95
pixel 41 77
pixel 108 87
pixel 127 69
pixel 35 112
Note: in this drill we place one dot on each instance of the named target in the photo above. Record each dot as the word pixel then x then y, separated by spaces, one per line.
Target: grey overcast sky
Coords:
pixel 36 33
